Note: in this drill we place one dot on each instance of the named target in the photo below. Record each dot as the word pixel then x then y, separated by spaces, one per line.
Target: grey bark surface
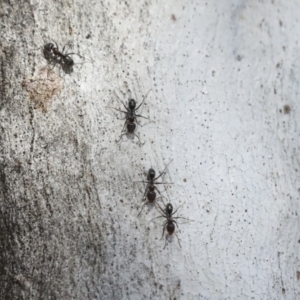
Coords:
pixel 224 104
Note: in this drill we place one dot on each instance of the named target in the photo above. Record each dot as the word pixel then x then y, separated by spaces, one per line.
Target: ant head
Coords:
pixel 169 208
pixel 68 61
pixel 151 174
pixel 131 104
pixel 48 46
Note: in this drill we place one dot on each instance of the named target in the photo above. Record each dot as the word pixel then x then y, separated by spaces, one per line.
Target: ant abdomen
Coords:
pixel 68 61
pixel 151 195
pixel 170 227
pixel 131 127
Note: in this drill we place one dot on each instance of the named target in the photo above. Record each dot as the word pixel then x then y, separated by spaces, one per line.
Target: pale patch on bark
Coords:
pixel 43 87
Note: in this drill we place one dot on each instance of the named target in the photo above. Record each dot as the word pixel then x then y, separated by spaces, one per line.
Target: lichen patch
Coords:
pixel 42 88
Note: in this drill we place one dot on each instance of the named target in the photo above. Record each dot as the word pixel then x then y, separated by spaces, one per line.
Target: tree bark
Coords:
pixel 223 86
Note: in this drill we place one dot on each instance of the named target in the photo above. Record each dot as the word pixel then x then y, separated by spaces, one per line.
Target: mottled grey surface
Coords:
pixel 224 104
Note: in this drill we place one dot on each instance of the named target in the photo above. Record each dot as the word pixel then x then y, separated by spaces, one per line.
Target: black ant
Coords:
pixel 131 117
pixel 53 54
pixel 149 193
pixel 169 223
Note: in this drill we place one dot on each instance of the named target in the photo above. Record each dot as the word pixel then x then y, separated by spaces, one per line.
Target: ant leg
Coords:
pixel 165 223
pixel 157 190
pixel 165 242
pixel 75 54
pixel 163 202
pixel 50 69
pixel 186 219
pixel 141 181
pixel 163 170
pixel 138 122
pixel 164 182
pixel 67 46
pixel 159 198
pixel 125 112
pixel 124 127
pixel 54 43
pixel 143 100
pixel 53 61
pixel 140 116
pixel 121 102
pixel 161 210
pixel 178 239
pixel 141 144
pixel 175 223
pixel 177 208
pixel 157 218
pixel 147 189
pixel 142 208
pixel 117 141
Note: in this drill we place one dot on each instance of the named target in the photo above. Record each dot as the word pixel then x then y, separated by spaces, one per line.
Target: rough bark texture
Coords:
pixel 224 80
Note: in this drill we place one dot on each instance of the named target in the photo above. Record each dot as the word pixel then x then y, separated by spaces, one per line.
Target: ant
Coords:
pixel 53 54
pixel 149 193
pixel 131 117
pixel 169 223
